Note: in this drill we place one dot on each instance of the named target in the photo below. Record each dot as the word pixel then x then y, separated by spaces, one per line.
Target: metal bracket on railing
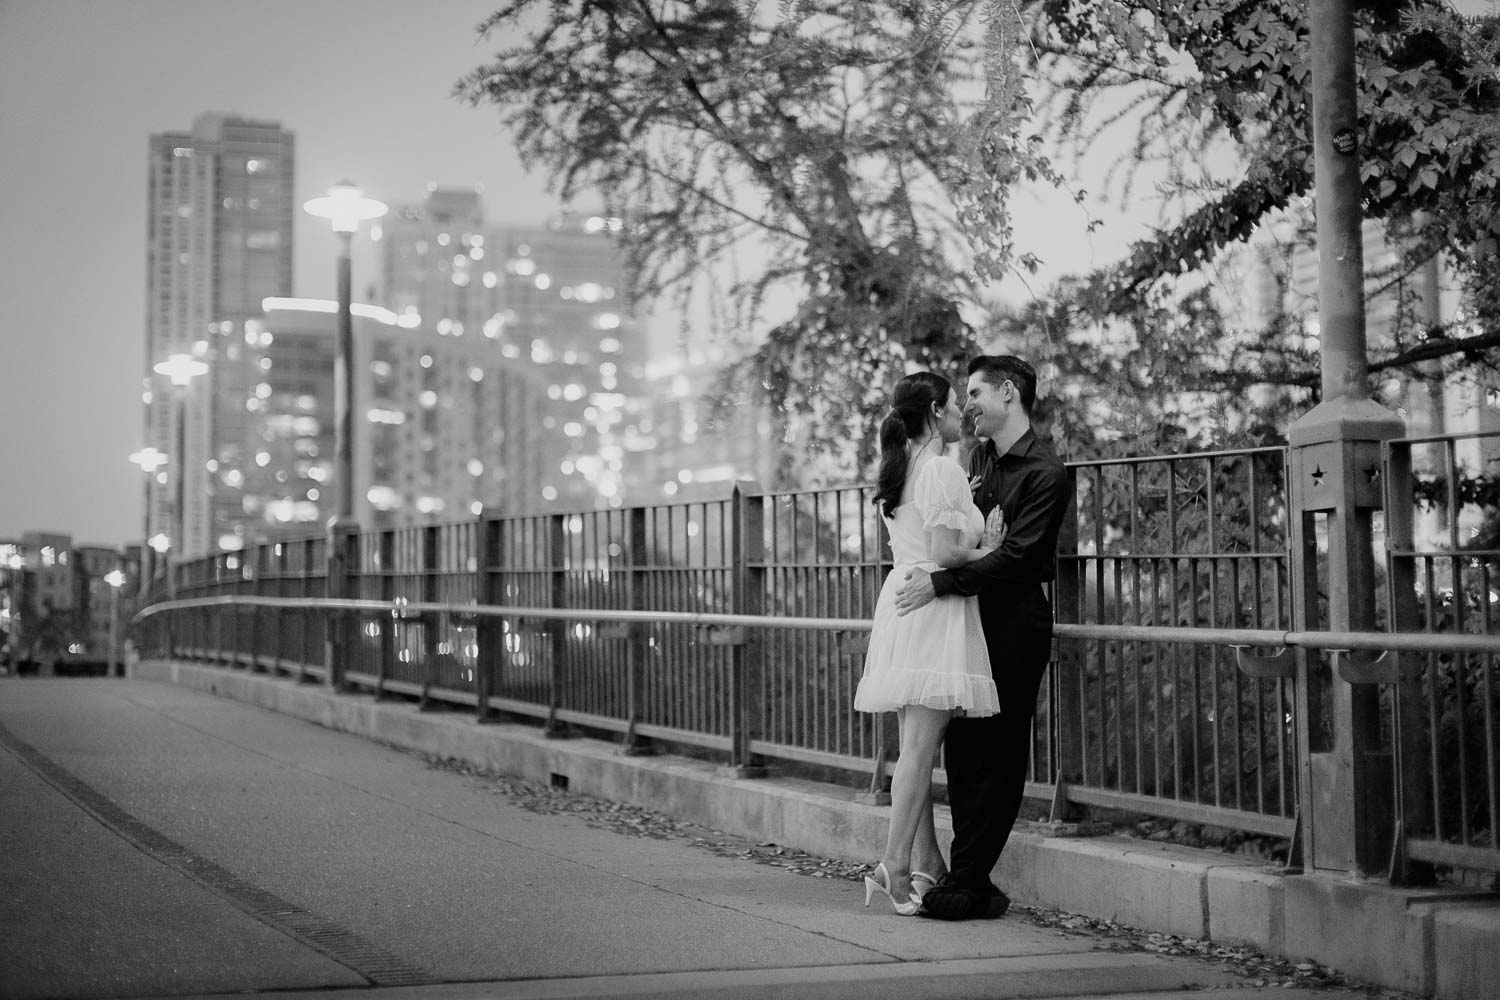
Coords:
pixel 634 744
pixel 1294 847
pixel 554 728
pixel 1380 669
pixel 1059 808
pixel 877 794
pixel 1278 665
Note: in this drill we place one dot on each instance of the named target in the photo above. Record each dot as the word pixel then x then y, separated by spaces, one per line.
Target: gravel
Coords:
pixel 1257 968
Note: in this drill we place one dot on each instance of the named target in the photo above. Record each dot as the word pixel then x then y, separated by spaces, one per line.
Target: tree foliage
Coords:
pixel 867 152
pixel 1189 73
pixel 1166 376
pixel 866 149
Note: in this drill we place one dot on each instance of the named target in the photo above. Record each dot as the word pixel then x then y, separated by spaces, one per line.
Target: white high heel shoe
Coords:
pixel 883 886
pixel 920 883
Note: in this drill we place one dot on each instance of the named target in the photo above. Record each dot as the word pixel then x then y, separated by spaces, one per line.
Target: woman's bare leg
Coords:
pixel 911 790
pixel 926 855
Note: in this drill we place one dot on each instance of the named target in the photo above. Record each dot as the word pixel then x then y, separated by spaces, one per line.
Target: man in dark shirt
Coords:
pixel 987 758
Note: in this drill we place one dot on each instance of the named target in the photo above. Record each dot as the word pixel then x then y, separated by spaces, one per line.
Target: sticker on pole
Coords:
pixel 1345 141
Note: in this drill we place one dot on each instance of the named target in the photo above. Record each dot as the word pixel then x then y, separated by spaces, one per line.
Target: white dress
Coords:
pixel 934 656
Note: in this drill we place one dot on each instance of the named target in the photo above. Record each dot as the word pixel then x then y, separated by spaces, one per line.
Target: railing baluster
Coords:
pixel 557 559
pixel 637 636
pixel 747 656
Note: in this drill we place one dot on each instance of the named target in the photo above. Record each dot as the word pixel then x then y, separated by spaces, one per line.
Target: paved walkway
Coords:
pixel 156 841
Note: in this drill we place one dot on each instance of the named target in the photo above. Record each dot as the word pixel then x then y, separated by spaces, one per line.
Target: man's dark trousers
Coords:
pixel 988 758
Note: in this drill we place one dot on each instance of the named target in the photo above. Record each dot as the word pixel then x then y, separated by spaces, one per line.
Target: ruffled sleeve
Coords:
pixel 942 494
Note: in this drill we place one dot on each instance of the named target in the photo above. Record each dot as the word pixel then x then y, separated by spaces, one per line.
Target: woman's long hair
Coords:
pixel 911 403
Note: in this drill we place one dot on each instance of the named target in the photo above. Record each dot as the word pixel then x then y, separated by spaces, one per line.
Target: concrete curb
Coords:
pixel 1431 942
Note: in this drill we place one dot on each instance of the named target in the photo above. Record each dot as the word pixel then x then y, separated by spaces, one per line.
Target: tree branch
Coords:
pixel 1441 346
pixel 723 132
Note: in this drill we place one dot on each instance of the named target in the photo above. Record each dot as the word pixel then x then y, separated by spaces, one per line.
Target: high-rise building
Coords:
pixel 219 240
pixel 700 449
pixel 424 246
pixel 430 411
pixel 547 307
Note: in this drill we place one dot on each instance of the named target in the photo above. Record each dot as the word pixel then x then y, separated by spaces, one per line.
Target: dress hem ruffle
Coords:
pixel 976 696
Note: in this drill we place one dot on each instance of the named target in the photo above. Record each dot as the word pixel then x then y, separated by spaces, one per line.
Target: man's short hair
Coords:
pixel 998 368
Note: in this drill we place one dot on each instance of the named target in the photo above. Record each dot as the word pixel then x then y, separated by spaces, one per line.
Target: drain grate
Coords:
pixel 343 946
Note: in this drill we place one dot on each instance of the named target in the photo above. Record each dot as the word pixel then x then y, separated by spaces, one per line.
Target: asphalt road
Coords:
pixel 159 842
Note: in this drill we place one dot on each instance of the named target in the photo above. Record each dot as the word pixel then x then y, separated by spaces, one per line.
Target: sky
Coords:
pixel 364 84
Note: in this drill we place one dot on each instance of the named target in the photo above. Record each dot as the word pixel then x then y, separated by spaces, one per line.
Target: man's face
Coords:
pixel 988 405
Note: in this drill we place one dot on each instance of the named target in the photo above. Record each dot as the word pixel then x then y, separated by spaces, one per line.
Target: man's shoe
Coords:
pixel 953 902
pixel 950 901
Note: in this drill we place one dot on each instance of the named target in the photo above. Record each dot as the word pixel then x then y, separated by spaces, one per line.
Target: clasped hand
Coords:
pixel 994 530
pixel 916 590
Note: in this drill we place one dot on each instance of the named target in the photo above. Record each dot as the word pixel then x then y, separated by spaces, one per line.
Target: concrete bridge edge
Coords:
pixel 1435 943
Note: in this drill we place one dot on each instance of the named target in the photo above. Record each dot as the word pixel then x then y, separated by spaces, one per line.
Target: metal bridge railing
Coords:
pixel 737 625
pixel 1341 650
pixel 1443 580
pixel 1165 726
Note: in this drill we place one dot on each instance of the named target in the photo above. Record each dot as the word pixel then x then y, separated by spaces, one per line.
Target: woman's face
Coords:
pixel 950 419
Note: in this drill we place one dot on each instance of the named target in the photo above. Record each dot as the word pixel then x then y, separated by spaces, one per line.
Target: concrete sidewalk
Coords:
pixel 160 841
pixel 1432 942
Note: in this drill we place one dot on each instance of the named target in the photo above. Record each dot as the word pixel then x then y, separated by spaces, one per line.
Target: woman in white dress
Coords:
pixel 927 665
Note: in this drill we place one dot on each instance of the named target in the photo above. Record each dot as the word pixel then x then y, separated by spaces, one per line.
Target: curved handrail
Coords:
pixel 1402 642
pixel 401 608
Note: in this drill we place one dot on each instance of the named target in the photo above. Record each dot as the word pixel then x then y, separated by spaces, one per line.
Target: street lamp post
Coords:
pixel 149 460
pixel 181 369
pixel 345 207
pixel 116 580
pixel 1335 487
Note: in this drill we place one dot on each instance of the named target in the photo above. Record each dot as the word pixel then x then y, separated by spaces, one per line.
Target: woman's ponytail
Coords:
pixel 891 477
pixel 914 397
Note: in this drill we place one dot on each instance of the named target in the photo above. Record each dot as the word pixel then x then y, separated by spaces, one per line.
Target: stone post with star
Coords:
pixel 1345 784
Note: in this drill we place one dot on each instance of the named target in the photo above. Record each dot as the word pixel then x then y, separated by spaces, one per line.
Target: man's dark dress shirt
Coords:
pixel 1031 485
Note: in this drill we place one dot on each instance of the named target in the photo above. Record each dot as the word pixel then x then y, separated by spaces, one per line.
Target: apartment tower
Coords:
pixel 563 405
pixel 219 240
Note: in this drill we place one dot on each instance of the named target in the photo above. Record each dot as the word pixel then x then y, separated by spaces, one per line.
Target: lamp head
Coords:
pixel 181 368
pixel 149 459
pixel 345 207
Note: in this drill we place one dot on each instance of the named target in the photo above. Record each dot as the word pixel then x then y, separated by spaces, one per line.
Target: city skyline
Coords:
pixel 363 86
pixel 365 89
